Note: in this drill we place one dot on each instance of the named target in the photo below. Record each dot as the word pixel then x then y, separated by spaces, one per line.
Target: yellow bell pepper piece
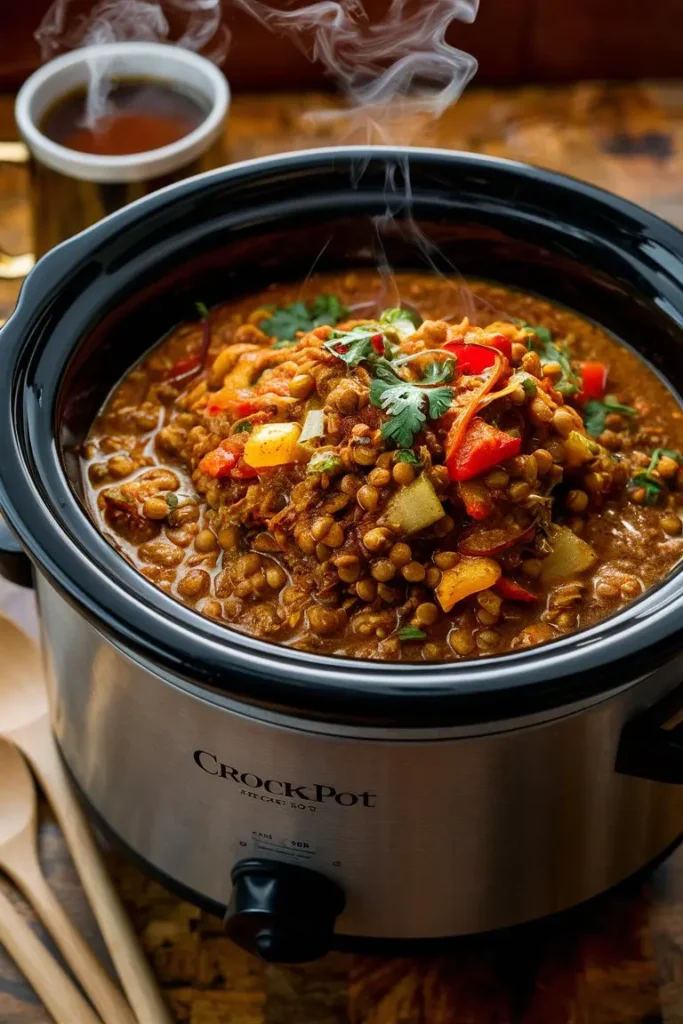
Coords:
pixel 272 444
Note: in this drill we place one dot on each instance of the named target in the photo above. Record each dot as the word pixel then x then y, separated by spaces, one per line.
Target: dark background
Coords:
pixel 514 41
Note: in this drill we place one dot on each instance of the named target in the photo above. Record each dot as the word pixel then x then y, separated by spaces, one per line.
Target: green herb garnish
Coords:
pixel 407 455
pixel 241 427
pixel 597 412
pixel 654 485
pixel 402 320
pixel 354 346
pixel 324 462
pixel 408 404
pixel 570 382
pixel 438 373
pixel 286 321
pixel 202 309
pixel 172 500
pixel 411 633
pixel 530 386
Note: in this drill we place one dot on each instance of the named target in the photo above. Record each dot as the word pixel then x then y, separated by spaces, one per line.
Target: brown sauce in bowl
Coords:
pixel 576 516
pixel 136 117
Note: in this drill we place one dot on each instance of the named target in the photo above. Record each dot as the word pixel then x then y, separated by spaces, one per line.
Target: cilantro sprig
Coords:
pixel 407 403
pixel 654 485
pixel 597 411
pixel 403 321
pixel 570 382
pixel 285 322
pixel 407 455
pixel 353 346
pixel 411 633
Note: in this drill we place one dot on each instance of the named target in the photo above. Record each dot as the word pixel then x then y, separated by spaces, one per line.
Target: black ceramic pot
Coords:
pixel 537 765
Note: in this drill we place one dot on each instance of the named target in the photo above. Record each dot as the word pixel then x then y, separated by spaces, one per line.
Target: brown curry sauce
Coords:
pixel 183 530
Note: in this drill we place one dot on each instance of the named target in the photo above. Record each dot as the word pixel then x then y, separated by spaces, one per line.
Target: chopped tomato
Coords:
pixel 218 463
pixel 513 591
pixel 482 448
pixel 377 342
pixel 594 377
pixel 221 461
pixel 473 357
pixel 477 499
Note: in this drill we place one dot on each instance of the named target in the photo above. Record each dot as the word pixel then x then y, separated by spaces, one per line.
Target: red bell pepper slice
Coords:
pixel 594 377
pixel 377 342
pixel 484 541
pixel 482 448
pixel 473 357
pixel 477 499
pixel 513 591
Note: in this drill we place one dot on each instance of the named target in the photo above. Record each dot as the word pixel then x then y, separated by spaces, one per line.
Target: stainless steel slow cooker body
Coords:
pixel 401 801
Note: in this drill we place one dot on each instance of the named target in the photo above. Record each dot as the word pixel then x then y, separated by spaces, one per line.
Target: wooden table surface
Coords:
pixel 618 960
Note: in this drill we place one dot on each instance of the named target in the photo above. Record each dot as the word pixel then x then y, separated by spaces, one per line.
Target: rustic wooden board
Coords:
pixel 617 961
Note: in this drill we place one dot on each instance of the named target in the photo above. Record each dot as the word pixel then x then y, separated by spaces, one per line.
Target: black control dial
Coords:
pixel 282 912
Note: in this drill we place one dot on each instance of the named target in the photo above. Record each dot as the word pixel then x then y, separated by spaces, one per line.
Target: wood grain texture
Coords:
pixel 618 960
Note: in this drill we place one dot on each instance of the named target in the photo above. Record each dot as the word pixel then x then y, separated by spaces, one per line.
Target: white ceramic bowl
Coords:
pixel 157 61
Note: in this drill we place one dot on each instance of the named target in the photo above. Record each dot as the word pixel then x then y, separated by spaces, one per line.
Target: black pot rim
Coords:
pixel 164 633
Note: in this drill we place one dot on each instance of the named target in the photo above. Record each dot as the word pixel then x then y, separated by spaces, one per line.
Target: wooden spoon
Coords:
pixel 19 860
pixel 24 720
pixel 51 984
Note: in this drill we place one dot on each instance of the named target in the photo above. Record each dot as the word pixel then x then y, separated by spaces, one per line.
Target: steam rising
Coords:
pixel 111 21
pixel 397 73
pixel 391 70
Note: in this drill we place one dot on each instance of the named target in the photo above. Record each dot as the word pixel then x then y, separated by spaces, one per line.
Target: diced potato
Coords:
pixel 469 576
pixel 580 449
pixel 570 556
pixel 415 507
pixel 272 444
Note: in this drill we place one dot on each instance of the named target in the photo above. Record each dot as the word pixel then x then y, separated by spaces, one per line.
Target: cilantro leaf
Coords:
pixel 404 403
pixel 411 633
pixel 202 309
pixel 530 386
pixel 354 346
pixel 654 485
pixel 597 412
pixel 438 373
pixel 407 455
pixel 285 321
pixel 327 310
pixel 241 427
pixel 570 382
pixel 172 500
pixel 439 401
pixel 324 462
pixel 403 321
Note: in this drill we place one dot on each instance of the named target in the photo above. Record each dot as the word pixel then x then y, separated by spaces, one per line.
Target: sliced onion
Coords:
pixel 314 425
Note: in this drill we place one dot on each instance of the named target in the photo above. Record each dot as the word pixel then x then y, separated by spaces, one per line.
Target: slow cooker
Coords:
pixel 312 800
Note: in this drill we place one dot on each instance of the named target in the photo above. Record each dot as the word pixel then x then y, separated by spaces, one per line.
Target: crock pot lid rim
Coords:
pixel 337 668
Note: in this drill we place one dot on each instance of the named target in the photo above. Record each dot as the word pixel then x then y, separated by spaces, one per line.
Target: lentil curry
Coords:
pixel 381 484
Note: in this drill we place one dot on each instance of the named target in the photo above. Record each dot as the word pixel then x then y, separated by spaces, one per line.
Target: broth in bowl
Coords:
pixel 387 484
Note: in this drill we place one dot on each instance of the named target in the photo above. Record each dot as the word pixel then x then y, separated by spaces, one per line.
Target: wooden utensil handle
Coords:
pixel 94 980
pixel 38 744
pixel 54 988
